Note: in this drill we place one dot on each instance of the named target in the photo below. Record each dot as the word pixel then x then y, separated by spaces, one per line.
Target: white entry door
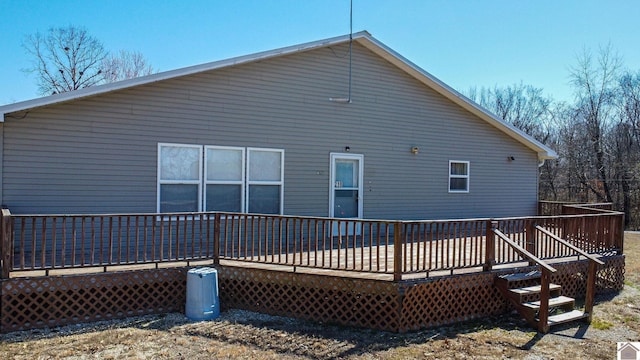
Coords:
pixel 345 199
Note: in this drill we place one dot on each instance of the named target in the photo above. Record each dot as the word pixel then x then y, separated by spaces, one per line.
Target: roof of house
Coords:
pixel 363 38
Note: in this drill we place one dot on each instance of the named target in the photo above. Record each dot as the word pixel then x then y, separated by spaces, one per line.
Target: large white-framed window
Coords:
pixel 265 180
pixel 224 169
pixel 179 177
pixel 194 178
pixel 458 176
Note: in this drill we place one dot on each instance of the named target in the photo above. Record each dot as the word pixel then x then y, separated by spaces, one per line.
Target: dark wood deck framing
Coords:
pixel 392 275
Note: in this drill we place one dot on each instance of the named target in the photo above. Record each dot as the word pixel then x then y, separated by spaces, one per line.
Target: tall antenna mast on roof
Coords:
pixel 347 100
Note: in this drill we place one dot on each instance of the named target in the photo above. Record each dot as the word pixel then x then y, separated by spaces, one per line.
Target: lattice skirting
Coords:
pixel 398 307
pixel 451 299
pixel 27 303
pixel 365 303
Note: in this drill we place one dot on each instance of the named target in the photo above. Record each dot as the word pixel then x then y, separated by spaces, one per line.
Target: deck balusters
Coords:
pixel 47 242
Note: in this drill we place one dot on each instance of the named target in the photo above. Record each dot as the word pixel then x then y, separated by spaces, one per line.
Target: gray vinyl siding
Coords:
pixel 99 154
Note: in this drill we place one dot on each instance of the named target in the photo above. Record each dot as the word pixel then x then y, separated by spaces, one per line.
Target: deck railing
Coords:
pixel 552 208
pixel 52 242
pixel 338 244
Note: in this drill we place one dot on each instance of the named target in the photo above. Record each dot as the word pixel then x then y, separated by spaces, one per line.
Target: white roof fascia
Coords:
pixel 543 151
pixel 119 85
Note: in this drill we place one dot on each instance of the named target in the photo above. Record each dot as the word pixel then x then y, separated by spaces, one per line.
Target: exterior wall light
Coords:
pixel 415 150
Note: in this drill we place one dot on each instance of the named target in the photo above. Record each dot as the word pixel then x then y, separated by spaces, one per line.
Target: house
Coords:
pixel 333 127
pixel 626 351
pixel 343 127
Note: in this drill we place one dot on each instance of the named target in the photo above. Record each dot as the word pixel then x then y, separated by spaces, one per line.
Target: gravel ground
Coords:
pixel 238 334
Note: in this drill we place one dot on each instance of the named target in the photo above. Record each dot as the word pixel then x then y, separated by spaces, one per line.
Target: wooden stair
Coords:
pixel 561 308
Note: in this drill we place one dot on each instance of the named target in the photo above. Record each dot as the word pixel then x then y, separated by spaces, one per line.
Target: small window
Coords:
pixel 458 176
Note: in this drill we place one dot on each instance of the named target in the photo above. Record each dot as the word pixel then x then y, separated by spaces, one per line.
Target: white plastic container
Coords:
pixel 202 294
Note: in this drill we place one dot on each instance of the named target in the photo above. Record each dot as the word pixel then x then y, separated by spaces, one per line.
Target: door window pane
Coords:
pixel 224 198
pixel 346 173
pixel 264 199
pixel 178 198
pixel 346 204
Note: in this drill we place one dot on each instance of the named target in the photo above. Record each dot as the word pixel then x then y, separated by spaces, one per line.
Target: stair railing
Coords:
pixel 591 274
pixel 545 279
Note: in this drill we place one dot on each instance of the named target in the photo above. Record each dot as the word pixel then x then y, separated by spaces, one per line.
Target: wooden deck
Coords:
pixel 342 263
pixel 395 275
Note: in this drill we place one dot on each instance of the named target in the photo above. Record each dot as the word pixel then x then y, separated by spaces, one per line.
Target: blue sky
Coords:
pixel 463 43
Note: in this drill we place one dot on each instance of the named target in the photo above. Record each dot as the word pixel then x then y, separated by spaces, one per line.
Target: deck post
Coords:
pixel 397 250
pixel 6 243
pixel 543 315
pixel 591 289
pixel 216 239
pixel 620 236
pixel 530 233
pixel 490 245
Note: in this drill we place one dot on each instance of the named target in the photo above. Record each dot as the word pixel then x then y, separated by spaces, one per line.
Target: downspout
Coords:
pixel 538 187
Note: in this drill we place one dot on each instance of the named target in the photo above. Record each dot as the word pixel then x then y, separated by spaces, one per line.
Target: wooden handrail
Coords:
pixel 522 251
pixel 591 272
pixel 569 245
pixel 545 279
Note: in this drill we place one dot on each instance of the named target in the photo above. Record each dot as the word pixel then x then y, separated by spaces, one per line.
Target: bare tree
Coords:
pixel 527 108
pixel 630 102
pixel 597 135
pixel 65 59
pixel 524 106
pixel 573 157
pixel 125 65
pixel 626 137
pixel 595 86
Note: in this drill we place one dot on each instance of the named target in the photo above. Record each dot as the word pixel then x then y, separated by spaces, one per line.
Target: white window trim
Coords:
pixel 202 182
pixel 186 182
pixel 467 176
pixel 250 182
pixel 332 185
pixel 240 182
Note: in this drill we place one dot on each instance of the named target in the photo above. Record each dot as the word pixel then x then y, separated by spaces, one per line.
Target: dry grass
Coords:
pixel 632 265
pixel 245 335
